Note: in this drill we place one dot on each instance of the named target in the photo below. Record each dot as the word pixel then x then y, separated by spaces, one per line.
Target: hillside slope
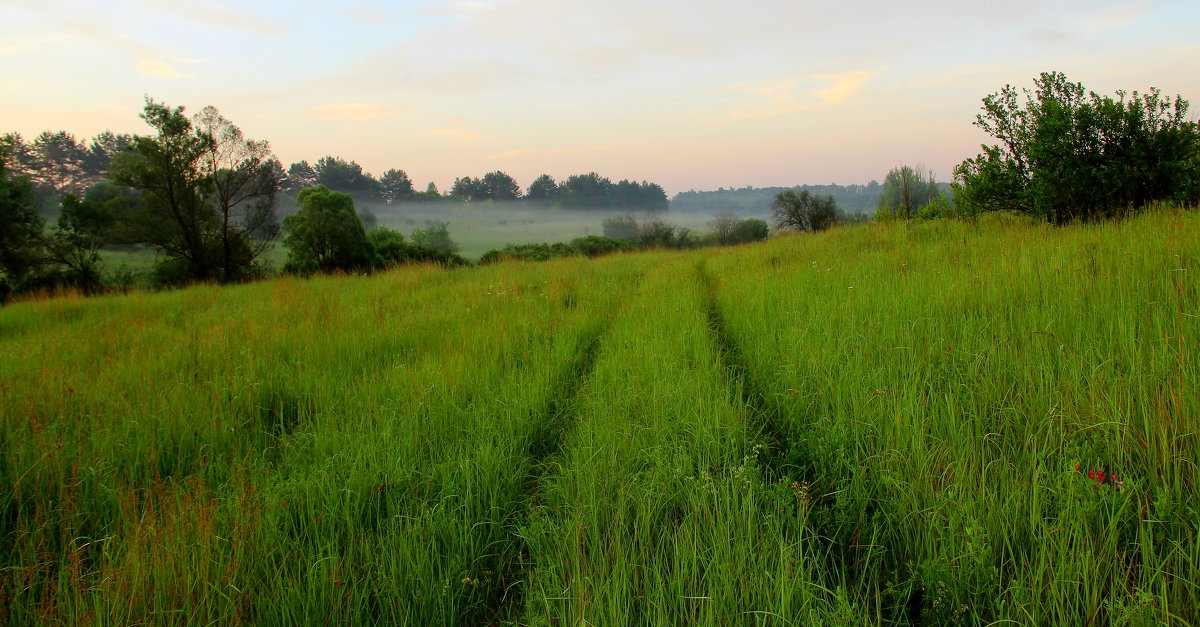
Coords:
pixel 939 423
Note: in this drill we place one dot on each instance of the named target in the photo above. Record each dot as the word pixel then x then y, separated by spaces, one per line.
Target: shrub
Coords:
pixel 326 234
pixel 1067 155
pixel 804 211
pixel 751 230
pixel 596 245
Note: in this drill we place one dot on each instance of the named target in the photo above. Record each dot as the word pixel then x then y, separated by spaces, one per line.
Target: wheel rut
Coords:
pixel 777 455
pixel 546 442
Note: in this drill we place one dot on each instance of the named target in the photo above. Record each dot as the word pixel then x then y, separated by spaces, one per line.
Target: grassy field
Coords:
pixel 480 227
pixel 475 228
pixel 882 424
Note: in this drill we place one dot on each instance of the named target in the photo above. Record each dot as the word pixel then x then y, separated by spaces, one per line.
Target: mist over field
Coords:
pixel 496 225
pixel 481 226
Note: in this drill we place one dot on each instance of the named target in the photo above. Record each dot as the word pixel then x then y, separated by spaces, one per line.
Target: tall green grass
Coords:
pixel 657 511
pixel 948 387
pixel 337 449
pixel 880 424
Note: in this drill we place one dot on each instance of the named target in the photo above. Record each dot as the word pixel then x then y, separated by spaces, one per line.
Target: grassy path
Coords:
pixel 774 454
pixel 659 512
pixel 900 424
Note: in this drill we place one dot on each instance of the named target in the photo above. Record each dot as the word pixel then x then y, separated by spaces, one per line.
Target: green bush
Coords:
pixel 597 245
pixel 326 234
pixel 751 230
pixel 1066 154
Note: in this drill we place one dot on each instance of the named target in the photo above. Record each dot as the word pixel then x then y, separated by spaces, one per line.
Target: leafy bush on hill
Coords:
pixel 1068 155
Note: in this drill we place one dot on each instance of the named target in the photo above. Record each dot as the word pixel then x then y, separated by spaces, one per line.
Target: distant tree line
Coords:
pixel 580 191
pixel 56 163
pixel 205 197
pixel 198 192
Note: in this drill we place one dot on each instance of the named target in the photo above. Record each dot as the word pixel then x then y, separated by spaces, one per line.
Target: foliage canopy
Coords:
pixel 803 211
pixel 907 189
pixel 1066 154
pixel 208 194
pixel 326 234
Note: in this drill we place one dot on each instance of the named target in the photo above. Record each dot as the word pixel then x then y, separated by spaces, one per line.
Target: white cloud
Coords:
pixel 581 149
pixel 796 94
pixel 220 15
pixel 506 154
pixel 844 86
pixel 350 111
pixel 157 69
pixel 462 135
pixel 1117 16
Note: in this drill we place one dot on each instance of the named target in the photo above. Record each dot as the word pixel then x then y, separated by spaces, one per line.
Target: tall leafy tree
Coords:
pixel 626 194
pixel 300 175
pixel 500 186
pixel 344 176
pixel 101 150
pixel 586 191
pixel 543 189
pixel 468 189
pixel 59 163
pixel 326 234
pixel 652 196
pixel 20 224
pixel 14 151
pixel 74 242
pixel 395 186
pixel 243 185
pixel 175 215
pixel 804 211
pixel 907 189
pixel 208 194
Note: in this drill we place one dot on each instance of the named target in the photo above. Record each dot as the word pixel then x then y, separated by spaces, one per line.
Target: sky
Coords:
pixel 691 95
